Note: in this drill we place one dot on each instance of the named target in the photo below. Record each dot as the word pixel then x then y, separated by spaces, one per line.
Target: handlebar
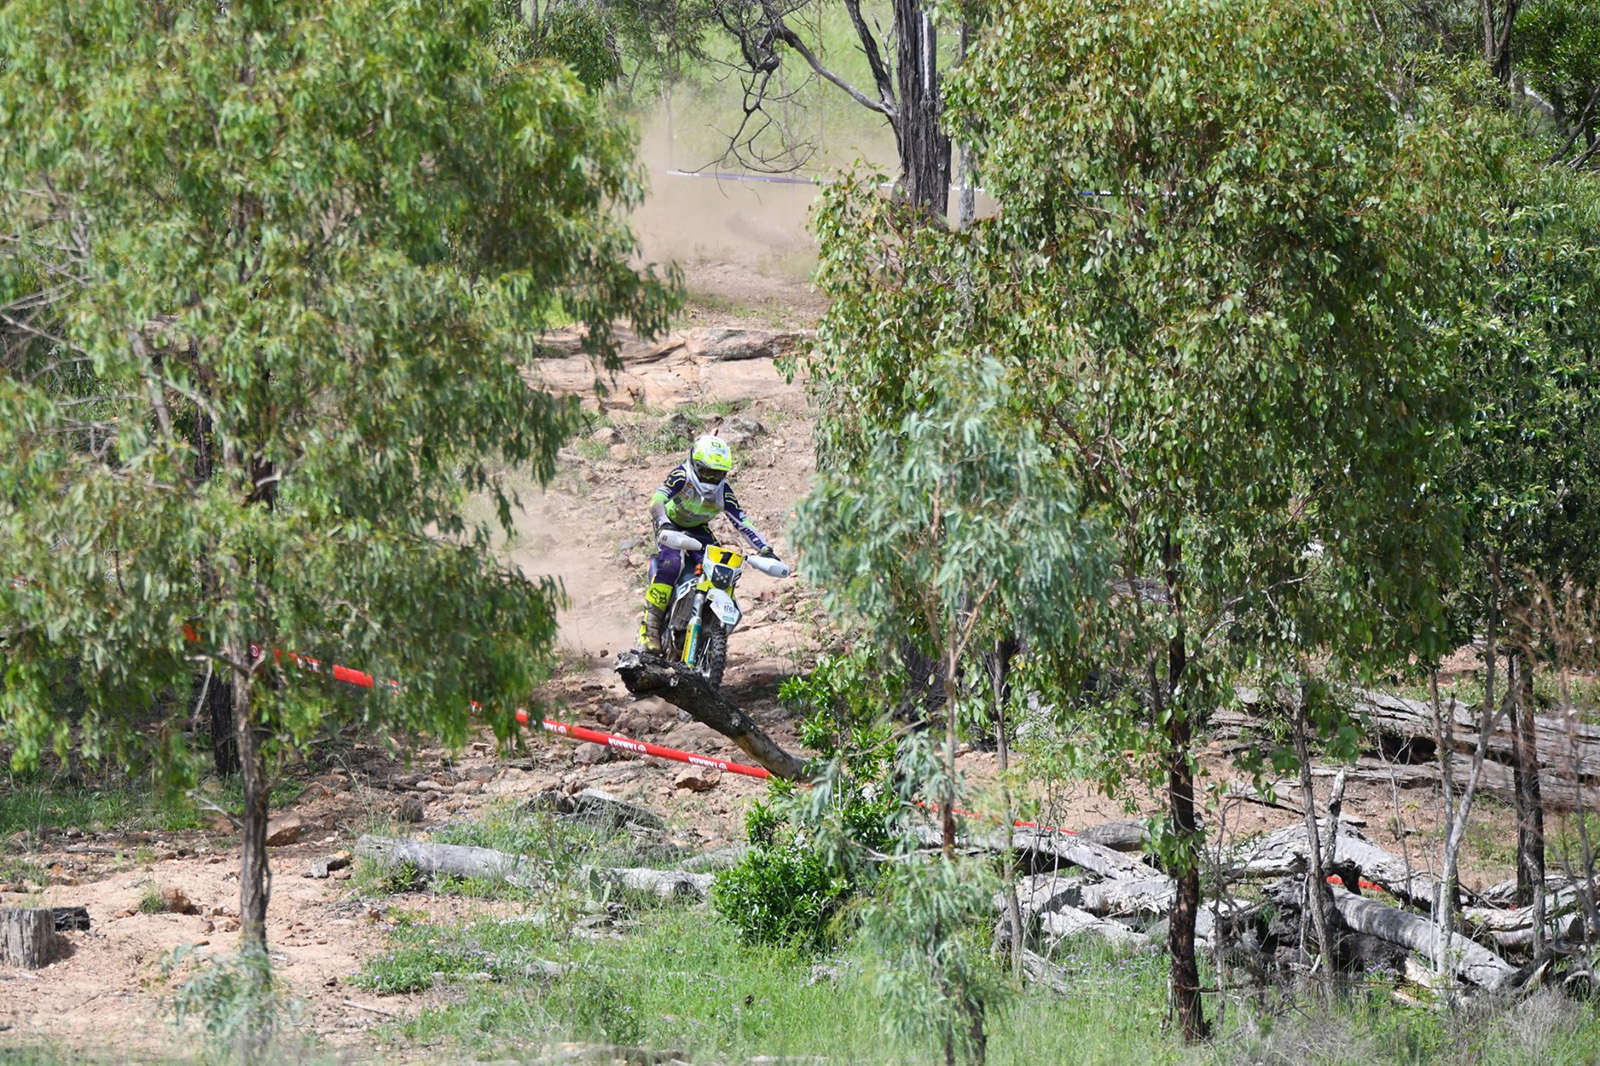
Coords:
pixel 770 567
pixel 671 538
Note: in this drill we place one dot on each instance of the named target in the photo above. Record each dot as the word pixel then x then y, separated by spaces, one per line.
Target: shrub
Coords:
pixel 783 892
pixel 807 852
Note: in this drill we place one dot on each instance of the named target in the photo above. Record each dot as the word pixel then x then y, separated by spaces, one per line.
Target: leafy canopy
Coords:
pixel 271 274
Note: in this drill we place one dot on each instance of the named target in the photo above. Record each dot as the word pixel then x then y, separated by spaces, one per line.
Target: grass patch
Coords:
pixel 680 980
pixel 35 809
pixel 684 982
pixel 39 809
pixel 151 900
pixel 423 954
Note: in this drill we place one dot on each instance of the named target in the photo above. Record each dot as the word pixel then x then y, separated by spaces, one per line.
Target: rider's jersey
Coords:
pixel 685 506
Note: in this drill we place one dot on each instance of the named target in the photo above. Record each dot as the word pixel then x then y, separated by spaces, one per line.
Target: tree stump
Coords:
pixel 27 937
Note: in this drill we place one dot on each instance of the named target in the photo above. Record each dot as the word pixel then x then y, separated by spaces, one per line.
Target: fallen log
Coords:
pixel 1065 921
pixel 70 919
pixel 1038 893
pixel 1512 928
pixel 1470 961
pixel 1049 904
pixel 1040 970
pixel 1564 748
pixel 1078 850
pixel 1150 898
pixel 665 884
pixel 651 675
pixel 1129 835
pixel 1047 849
pixel 452 860
pixel 456 860
pixel 1568 752
pixel 597 807
pixel 1283 853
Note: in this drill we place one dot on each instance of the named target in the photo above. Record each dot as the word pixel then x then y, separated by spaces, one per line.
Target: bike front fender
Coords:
pixel 724 608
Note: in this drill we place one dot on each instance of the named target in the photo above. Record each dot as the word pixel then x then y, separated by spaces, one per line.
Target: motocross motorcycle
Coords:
pixel 702 611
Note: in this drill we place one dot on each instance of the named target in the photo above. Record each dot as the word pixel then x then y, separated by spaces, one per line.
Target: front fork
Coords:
pixel 691 636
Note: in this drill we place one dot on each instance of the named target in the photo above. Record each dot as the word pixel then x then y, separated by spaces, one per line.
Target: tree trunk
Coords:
pixel 1186 908
pixel 1318 902
pixel 27 937
pixel 1497 37
pixel 966 195
pixel 949 812
pixel 1525 770
pixel 1180 806
pixel 1009 856
pixel 224 736
pixel 687 690
pixel 255 878
pixel 924 148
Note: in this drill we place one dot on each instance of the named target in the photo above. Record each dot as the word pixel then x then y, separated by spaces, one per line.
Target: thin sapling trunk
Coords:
pixel 1318 901
pixel 1003 758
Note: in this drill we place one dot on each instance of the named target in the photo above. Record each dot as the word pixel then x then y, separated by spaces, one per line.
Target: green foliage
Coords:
pixel 784 891
pixel 947 522
pixel 1234 352
pixel 1557 45
pixel 926 932
pixel 233 1001
pixel 1529 470
pixel 810 852
pixel 273 317
pixel 578 36
pixel 843 694
pixel 1189 396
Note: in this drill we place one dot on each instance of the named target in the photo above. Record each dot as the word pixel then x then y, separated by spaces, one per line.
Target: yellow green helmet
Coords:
pixel 710 460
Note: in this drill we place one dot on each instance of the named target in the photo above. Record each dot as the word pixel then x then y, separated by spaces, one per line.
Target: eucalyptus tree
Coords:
pixel 1529 469
pixel 1218 288
pixel 1559 52
pixel 272 274
pixel 956 528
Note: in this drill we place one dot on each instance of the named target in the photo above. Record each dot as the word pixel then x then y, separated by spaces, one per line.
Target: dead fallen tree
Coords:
pixel 457 860
pixel 1126 902
pixel 1284 853
pixel 1470 961
pixel 1511 928
pixel 1129 835
pixel 651 675
pixel 1568 752
pixel 1048 905
pixel 1047 849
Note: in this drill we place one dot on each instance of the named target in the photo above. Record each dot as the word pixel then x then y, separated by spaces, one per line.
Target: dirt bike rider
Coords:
pixel 694 493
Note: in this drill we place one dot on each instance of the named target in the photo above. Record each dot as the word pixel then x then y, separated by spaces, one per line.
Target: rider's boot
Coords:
pixel 655 612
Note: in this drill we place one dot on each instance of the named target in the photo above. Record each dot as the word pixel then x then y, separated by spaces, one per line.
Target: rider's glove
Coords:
pixel 767 553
